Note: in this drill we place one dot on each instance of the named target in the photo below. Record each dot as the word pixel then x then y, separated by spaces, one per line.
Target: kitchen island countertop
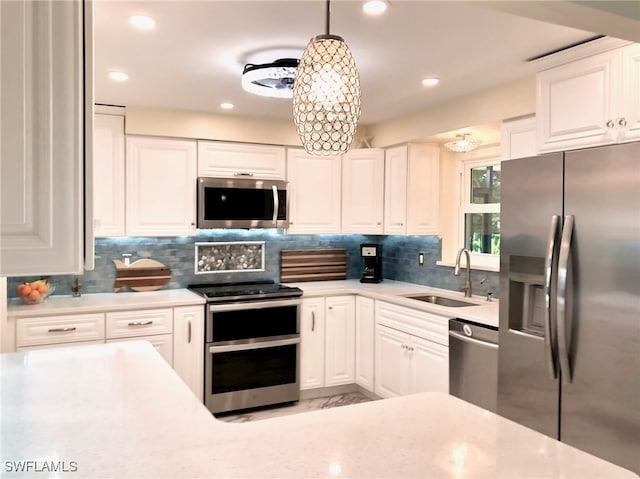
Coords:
pixel 118 410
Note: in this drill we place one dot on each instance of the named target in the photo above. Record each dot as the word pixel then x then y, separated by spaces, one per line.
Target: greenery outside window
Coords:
pixel 479 217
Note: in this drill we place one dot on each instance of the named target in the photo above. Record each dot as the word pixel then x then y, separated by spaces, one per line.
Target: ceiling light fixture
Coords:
pixel 430 81
pixel 462 144
pixel 226 106
pixel 326 95
pixel 142 22
pixel 375 7
pixel 118 76
pixel 270 79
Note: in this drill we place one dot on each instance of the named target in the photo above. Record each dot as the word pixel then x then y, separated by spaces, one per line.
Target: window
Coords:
pixel 479 218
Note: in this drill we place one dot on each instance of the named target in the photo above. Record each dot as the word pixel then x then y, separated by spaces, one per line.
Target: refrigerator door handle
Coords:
pixel 550 264
pixel 563 273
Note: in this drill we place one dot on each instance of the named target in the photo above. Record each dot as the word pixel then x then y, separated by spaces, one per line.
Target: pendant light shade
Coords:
pixel 326 96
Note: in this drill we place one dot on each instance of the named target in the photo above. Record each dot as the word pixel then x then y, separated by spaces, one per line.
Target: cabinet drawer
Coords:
pixel 127 324
pixel 162 342
pixel 418 323
pixel 59 329
pixel 59 345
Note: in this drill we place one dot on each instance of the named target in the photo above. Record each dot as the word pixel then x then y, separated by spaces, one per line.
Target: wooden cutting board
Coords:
pixel 313 265
pixel 141 275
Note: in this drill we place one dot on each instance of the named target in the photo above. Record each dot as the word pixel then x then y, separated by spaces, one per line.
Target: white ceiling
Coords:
pixel 194 57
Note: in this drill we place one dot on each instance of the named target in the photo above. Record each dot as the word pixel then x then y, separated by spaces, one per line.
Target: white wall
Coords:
pixel 488 106
pixel 209 126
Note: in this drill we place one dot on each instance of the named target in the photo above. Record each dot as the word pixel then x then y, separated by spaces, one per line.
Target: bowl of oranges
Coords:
pixel 35 292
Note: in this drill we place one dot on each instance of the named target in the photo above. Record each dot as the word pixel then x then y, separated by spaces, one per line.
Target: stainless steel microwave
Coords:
pixel 242 203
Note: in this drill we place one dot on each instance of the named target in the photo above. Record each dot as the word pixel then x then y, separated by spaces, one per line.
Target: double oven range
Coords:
pixel 252 344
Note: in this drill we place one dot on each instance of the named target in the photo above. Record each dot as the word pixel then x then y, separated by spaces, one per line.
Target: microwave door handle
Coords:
pixel 550 264
pixel 276 204
pixel 563 274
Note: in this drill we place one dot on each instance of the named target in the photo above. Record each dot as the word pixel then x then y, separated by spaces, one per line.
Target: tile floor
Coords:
pixel 301 406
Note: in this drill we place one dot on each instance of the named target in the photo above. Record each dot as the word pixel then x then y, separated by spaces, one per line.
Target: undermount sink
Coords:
pixel 441 300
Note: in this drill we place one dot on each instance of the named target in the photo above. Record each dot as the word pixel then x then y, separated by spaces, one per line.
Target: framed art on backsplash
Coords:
pixel 226 257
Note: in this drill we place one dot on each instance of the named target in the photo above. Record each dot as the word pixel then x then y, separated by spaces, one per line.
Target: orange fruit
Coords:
pixel 42 288
pixel 20 289
pixel 26 290
pixel 34 295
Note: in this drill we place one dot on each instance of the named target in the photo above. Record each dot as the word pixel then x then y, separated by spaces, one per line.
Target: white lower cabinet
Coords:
pixel 162 342
pixel 365 327
pixel 177 333
pixel 340 332
pixel 411 351
pixel 327 331
pixel 312 343
pixel 188 344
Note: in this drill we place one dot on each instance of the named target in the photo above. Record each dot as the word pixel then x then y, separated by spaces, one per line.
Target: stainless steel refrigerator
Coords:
pixel 569 357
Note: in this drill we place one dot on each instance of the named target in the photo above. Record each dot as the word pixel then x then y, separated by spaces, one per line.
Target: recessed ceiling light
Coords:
pixel 142 22
pixel 118 76
pixel 430 81
pixel 226 106
pixel 375 7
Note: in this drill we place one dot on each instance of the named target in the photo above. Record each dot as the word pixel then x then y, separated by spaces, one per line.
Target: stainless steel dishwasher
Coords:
pixel 473 363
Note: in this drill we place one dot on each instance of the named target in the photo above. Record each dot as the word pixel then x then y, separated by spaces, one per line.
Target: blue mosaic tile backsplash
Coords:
pixel 399 254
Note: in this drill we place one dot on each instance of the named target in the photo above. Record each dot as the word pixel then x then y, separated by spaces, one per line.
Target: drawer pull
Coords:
pixel 62 330
pixel 140 323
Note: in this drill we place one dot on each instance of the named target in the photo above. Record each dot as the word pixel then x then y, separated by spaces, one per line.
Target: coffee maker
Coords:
pixel 372 263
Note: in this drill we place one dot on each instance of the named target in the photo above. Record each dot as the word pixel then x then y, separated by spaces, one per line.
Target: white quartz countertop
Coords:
pixel 118 410
pixel 58 304
pixel 395 291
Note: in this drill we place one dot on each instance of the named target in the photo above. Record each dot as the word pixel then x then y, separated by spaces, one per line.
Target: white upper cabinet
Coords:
pixel 160 187
pixel 238 160
pixel 363 191
pixel 518 138
pixel 589 101
pixel 314 192
pixel 395 190
pixel 44 89
pixel 108 174
pixel 631 105
pixel 412 179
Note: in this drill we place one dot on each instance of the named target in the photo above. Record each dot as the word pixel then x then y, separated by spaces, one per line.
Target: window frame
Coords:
pixel 478 260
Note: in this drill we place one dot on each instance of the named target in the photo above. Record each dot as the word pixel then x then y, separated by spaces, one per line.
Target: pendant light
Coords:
pixel 326 95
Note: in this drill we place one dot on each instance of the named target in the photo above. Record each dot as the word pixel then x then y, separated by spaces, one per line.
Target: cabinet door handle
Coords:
pixel 313 320
pixel 610 124
pixel 622 122
pixel 62 330
pixel 330 307
pixel 140 323
pixel 189 332
pixel 242 174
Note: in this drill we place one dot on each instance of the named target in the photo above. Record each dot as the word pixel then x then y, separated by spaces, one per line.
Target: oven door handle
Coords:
pixel 263 304
pixel 250 346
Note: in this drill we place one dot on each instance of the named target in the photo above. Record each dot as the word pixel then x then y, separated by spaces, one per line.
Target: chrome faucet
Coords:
pixel 456 271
